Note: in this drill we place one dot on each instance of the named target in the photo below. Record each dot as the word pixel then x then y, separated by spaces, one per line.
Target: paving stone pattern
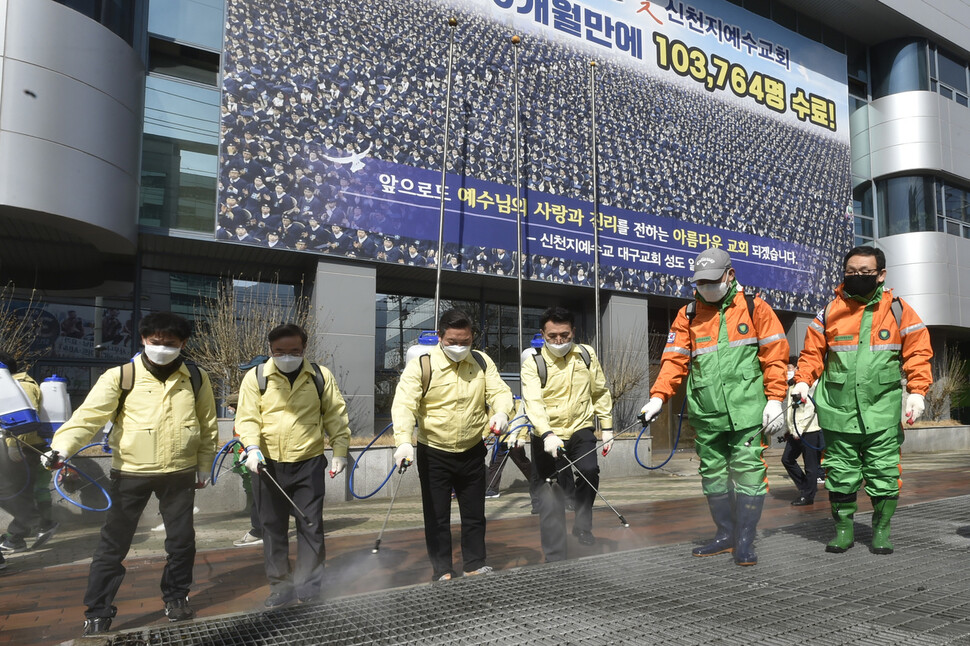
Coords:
pixel 798 595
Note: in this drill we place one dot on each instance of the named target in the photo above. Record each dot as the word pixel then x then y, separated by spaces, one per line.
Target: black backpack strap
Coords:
pixel 425 361
pixel 479 359
pixel 127 381
pixel 318 379
pixel 691 311
pixel 749 298
pixel 195 377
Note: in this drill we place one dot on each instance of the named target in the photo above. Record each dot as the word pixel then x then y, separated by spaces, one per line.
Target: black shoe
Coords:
pixel 96 625
pixel 178 610
pixel 44 535
pixel 802 501
pixel 13 544
pixel 585 537
pixel 277 599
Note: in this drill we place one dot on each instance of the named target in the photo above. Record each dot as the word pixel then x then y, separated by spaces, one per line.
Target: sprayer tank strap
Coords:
pixel 318 379
pixel 127 382
pixel 425 360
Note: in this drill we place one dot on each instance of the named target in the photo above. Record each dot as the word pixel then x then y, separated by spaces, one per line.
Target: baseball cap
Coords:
pixel 711 264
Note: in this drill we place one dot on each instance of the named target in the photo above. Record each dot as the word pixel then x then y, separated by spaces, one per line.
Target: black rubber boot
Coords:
pixel 748 514
pixel 722 511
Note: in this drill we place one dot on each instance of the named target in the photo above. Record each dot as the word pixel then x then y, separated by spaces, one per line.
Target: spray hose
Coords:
pixel 67 464
pixel 220 459
pixel 795 404
pixel 357 463
pixel 673 449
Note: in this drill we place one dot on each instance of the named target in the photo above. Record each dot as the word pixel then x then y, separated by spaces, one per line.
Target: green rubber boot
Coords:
pixel 844 507
pixel 882 513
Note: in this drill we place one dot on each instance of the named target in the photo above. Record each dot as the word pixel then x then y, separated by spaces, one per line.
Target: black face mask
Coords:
pixel 860 285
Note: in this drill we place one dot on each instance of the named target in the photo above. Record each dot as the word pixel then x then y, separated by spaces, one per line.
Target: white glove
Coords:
pixel 915 405
pixel 337 465
pixel 201 479
pixel 651 411
pixel 404 452
pixel 14 453
pixel 522 438
pixel 608 442
pixel 800 390
pixel 551 444
pixel 773 417
pixel 51 460
pixel 253 457
pixel 499 423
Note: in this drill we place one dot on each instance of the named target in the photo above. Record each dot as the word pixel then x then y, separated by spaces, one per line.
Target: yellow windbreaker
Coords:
pixel 292 424
pixel 574 394
pixel 452 415
pixel 163 427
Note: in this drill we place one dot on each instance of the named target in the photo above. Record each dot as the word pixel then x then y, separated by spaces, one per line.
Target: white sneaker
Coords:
pixel 248 539
pixel 485 569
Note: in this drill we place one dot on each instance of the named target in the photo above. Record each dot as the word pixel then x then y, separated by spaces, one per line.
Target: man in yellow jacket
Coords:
pixel 288 408
pixel 563 408
pixel 163 442
pixel 448 399
pixel 24 486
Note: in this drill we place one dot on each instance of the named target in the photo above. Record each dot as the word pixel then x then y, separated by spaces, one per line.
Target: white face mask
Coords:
pixel 287 363
pixel 456 352
pixel 713 293
pixel 162 355
pixel 560 349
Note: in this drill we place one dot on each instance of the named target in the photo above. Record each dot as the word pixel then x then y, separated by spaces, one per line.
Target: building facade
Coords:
pixel 113 132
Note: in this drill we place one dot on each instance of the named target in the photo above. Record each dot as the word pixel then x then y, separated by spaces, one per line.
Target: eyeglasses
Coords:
pixel 298 353
pixel 559 338
pixel 872 272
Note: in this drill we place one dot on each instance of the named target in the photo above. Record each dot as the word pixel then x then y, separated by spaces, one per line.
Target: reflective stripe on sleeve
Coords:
pixel 770 339
pixel 677 350
pixel 911 328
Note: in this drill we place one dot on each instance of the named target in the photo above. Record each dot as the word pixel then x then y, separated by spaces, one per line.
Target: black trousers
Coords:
pixel 439 473
pixel 17 491
pixel 552 498
pixel 129 495
pixel 304 483
pixel 808 448
pixel 497 464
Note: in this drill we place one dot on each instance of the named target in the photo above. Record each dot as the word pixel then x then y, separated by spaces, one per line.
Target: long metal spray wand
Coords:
pixel 452 23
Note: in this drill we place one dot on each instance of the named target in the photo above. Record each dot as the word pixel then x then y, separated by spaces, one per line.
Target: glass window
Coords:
pixel 179 155
pixel 760 7
pixel 182 61
pixel 899 66
pixel 905 204
pixel 952 72
pixel 199 22
pixel 810 28
pixel 956 203
pixel 784 16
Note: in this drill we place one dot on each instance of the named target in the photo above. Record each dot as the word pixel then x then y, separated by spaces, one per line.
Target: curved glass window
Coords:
pixel 899 66
pixel 906 204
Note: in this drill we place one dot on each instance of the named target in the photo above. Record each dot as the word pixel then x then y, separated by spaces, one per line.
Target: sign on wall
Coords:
pixel 714 127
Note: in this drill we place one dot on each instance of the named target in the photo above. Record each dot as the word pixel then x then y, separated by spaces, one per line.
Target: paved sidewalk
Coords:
pixel 40 592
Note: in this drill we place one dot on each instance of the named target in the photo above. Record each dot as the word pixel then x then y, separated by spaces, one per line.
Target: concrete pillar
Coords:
pixel 626 353
pixel 343 303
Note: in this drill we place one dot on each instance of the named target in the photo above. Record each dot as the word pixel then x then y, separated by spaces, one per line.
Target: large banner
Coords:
pixel 714 127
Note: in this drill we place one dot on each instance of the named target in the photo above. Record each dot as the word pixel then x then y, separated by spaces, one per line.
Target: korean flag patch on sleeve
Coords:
pixel 671 337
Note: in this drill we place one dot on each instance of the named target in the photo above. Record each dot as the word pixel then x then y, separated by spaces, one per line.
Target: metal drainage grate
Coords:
pixel 797 594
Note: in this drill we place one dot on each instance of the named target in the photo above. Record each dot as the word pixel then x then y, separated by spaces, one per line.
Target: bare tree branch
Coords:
pixel 18 326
